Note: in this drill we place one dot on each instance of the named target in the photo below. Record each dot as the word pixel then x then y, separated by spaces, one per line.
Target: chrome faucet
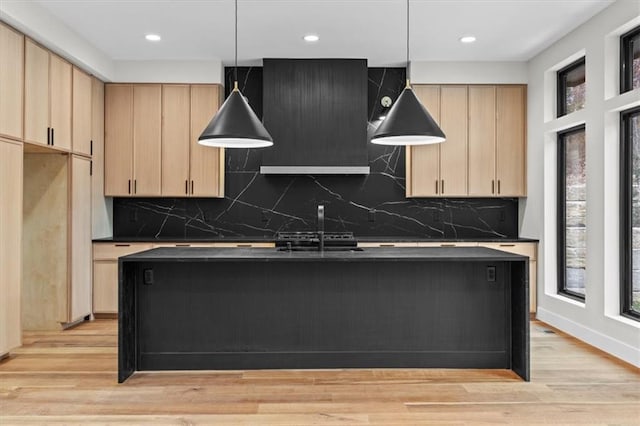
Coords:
pixel 320 227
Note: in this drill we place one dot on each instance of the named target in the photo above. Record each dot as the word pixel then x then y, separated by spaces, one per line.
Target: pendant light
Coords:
pixel 235 125
pixel 408 122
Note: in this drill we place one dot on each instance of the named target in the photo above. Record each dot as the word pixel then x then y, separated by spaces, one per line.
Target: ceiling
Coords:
pixel 506 30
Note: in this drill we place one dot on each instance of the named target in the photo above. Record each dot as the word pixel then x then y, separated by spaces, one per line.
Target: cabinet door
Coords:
pixel 36 93
pixel 510 142
pixel 453 152
pixel 147 117
pixel 207 163
pixel 105 287
pixel 81 112
pixel 100 205
pixel 60 101
pixel 11 82
pixel 80 284
pixel 118 139
pixel 175 140
pixel 482 141
pixel 10 245
pixel 423 164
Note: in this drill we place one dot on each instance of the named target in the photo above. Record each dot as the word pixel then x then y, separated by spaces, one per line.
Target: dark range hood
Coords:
pixel 316 112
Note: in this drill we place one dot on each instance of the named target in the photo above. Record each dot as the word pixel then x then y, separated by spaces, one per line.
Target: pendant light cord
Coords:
pixel 235 68
pixel 407 44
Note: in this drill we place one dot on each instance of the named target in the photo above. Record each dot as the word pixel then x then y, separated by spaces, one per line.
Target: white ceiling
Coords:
pixel 507 30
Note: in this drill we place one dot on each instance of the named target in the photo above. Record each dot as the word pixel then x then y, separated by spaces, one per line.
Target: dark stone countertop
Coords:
pixel 391 239
pixel 206 254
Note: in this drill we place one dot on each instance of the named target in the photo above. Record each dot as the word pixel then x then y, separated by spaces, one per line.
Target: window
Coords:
pixel 630 212
pixel 571 88
pixel 572 213
pixel 630 60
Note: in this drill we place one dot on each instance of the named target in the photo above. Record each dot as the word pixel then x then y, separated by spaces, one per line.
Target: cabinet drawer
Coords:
pixel 447 244
pixel 112 251
pixel 525 249
pixel 390 244
pixel 245 245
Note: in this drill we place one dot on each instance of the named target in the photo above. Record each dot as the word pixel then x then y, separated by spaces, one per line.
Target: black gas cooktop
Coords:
pixel 311 239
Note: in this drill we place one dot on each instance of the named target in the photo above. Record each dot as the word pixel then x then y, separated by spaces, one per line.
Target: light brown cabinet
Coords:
pixel 10 244
pixel 497 141
pixel 79 290
pixel 11 82
pixel 105 273
pixel 440 170
pixel 485 151
pixel 82 112
pixel 132 140
pixel 206 163
pixel 151 134
pixel 47 98
pixel 188 168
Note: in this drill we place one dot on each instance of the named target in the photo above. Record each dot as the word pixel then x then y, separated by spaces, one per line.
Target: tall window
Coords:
pixel 572 213
pixel 571 87
pixel 630 212
pixel 630 60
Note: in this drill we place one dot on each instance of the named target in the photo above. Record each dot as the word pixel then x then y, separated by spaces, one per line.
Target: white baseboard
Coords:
pixel 594 338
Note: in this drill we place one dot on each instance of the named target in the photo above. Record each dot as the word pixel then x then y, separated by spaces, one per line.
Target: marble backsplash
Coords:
pixel 256 205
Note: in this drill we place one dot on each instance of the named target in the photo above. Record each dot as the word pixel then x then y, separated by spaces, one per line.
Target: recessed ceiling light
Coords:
pixel 467 39
pixel 153 37
pixel 311 38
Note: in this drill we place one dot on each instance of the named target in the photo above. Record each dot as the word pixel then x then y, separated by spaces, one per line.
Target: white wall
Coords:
pixel 468 72
pixel 169 71
pixel 597 321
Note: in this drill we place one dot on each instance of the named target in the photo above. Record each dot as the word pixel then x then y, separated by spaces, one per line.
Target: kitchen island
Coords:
pixel 190 308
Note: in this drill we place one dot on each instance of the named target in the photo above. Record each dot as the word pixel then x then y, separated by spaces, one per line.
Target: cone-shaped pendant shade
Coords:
pixel 235 126
pixel 408 123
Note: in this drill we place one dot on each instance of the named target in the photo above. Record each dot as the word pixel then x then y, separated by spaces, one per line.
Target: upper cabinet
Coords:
pixel 151 134
pixel 132 139
pixel 440 170
pixel 47 98
pixel 82 115
pixel 11 82
pixel 485 151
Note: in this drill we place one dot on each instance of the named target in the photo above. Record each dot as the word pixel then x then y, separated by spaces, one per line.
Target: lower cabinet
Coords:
pixel 105 267
pixel 105 273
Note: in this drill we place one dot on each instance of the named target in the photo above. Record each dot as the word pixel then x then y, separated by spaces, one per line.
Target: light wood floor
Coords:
pixel 70 378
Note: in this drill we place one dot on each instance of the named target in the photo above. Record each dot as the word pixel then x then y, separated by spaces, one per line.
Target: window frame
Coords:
pixel 562 87
pixel 561 214
pixel 626 195
pixel 626 60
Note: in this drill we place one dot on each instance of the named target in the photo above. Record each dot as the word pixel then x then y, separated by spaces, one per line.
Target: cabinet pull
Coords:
pixel 244 245
pixel 507 245
pixel 447 245
pixel 387 245
pixel 135 186
pixel 53 137
pixel 129 186
pixel 90 147
pixel 442 187
pixel 191 187
pixel 186 187
pixel 183 245
pixel 493 186
pixel 498 186
pixel 123 245
pixel 436 186
pixel 48 135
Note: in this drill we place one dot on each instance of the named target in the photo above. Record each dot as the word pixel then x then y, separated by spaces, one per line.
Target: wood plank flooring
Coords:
pixel 69 378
